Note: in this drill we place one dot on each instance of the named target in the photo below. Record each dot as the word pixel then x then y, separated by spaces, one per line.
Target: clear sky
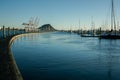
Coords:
pixel 61 14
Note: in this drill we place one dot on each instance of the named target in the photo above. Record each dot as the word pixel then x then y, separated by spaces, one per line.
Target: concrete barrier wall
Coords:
pixel 15 68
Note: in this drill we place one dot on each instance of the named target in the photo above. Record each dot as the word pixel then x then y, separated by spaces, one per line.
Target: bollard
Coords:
pixel 4 33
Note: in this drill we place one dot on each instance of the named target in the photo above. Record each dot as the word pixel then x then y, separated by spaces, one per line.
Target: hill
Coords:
pixel 46 27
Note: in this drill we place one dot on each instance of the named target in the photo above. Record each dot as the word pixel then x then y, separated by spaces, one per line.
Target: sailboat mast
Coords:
pixel 92 26
pixel 113 22
pixel 79 26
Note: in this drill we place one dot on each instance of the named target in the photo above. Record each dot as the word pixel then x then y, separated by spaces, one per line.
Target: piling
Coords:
pixel 13 31
pixel 4 32
pixel 9 31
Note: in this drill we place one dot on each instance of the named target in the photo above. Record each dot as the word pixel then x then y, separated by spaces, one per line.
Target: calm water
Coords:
pixel 64 56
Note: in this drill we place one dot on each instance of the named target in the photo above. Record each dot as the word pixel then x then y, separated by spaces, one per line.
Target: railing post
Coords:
pixel 4 32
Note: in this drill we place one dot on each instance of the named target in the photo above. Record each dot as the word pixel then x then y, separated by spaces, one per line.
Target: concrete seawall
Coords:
pixel 8 67
pixel 17 74
pixel 15 37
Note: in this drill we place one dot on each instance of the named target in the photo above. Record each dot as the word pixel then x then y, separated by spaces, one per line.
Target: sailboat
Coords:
pixel 92 32
pixel 113 33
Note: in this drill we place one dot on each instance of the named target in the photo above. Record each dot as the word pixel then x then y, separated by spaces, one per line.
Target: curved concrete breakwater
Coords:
pixel 8 67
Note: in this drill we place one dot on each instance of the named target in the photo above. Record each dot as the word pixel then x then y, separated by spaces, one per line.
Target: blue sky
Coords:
pixel 62 14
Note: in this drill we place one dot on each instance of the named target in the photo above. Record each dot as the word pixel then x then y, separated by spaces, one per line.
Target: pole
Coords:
pixel 8 31
pixel 4 32
pixel 13 31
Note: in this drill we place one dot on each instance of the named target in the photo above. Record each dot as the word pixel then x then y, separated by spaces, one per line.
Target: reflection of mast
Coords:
pixel 109 65
pixel 110 61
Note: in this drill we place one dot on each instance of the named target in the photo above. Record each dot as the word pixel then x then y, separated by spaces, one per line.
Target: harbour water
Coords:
pixel 64 56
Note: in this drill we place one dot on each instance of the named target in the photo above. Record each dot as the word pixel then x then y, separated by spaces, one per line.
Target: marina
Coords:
pixel 59 40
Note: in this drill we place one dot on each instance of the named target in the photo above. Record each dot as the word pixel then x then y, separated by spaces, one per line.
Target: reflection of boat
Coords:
pixel 113 33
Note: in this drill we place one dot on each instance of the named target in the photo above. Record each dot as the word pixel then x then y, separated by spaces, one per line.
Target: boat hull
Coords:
pixel 110 37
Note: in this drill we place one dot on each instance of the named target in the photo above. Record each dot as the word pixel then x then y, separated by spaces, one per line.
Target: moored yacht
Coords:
pixel 113 33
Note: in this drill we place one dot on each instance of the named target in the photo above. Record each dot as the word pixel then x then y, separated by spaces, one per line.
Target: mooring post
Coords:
pixel 4 32
pixel 16 30
pixel 9 31
pixel 13 31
